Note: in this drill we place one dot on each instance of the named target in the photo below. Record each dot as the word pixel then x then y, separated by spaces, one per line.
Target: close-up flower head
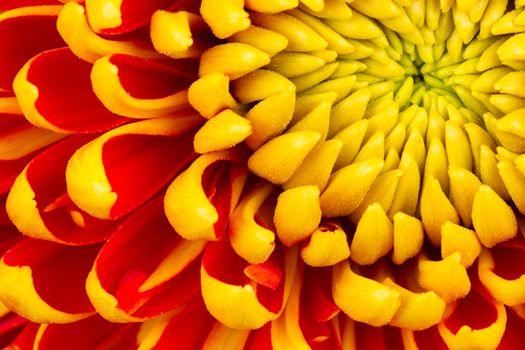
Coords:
pixel 262 174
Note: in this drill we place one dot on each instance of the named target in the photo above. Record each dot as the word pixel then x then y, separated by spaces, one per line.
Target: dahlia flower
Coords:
pixel 262 174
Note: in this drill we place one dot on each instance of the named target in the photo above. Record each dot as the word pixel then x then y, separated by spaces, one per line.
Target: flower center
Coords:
pixel 400 117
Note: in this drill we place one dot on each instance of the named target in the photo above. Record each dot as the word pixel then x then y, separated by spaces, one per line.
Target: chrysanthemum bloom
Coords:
pixel 262 174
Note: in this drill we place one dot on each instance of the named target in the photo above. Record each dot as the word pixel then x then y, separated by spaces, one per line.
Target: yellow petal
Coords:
pixel 363 299
pixel 448 278
pixel 300 36
pixel 211 94
pixel 232 59
pixel 327 246
pixel 455 238
pixel 250 240
pixel 436 209
pixel 259 85
pixel 408 237
pixel 269 118
pixel 271 6
pixel 225 18
pixel 297 214
pixel 373 236
pixel 278 159
pixel 417 311
pixel 317 166
pixel 223 131
pixel 492 218
pixel 338 199
pixel 463 188
pixel 171 33
pixel 263 39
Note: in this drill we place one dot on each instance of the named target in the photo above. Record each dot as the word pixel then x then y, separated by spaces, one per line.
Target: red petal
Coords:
pixel 513 336
pixel 317 294
pixel 91 333
pixel 187 329
pixel 260 339
pixel 25 340
pixel 24 36
pixel 11 326
pixel 11 4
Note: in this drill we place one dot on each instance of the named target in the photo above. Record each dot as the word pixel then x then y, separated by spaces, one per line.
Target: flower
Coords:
pixel 277 174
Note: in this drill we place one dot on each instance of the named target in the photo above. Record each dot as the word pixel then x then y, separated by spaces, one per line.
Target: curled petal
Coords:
pixel 417 310
pixel 198 202
pixel 73 26
pixel 363 299
pixel 94 174
pixel 139 88
pixel 327 246
pixel 121 16
pixel 25 32
pixel 39 206
pixel 188 34
pixel 447 277
pixel 44 90
pixel 210 94
pixel 477 321
pixel 225 286
pixel 500 271
pixel 138 276
pixel 35 285
pixel 250 237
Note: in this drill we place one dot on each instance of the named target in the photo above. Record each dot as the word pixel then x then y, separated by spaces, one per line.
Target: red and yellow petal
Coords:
pixel 53 87
pixel 139 88
pixel 38 204
pixel 138 275
pixel 44 281
pixel 118 171
pixel 25 32
pixel 73 26
pixel 199 201
pixel 226 286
